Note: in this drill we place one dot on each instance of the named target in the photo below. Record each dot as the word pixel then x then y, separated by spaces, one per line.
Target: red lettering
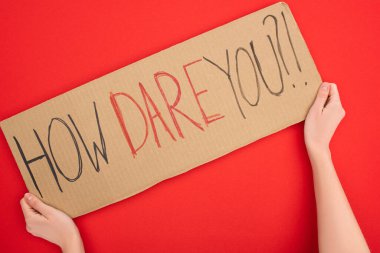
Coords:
pixel 119 116
pixel 207 119
pixel 172 107
pixel 157 114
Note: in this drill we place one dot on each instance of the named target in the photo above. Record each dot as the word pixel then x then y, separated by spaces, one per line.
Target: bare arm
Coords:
pixel 338 230
pixel 51 224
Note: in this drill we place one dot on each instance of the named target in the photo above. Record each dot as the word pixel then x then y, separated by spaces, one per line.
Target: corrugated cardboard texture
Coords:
pixel 166 114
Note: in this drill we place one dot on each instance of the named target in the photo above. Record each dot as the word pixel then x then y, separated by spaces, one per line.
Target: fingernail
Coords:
pixel 28 196
pixel 324 87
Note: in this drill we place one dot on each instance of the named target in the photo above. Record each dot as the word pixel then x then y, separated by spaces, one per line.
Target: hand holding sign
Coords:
pixel 51 224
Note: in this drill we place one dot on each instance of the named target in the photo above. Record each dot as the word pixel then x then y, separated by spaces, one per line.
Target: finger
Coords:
pixel 322 96
pixel 334 93
pixel 26 209
pixel 37 204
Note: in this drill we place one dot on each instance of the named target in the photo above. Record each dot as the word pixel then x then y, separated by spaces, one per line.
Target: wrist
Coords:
pixel 318 151
pixel 72 243
pixel 319 155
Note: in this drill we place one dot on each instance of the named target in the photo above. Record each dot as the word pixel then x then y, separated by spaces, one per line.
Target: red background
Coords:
pixel 242 202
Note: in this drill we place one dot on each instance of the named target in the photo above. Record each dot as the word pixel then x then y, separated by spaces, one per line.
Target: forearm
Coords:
pixel 338 230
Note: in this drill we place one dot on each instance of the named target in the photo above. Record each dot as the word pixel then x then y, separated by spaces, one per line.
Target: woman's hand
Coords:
pixel 338 230
pixel 50 224
pixel 323 119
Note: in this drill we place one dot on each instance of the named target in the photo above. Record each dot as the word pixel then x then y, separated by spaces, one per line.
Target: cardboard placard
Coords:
pixel 166 114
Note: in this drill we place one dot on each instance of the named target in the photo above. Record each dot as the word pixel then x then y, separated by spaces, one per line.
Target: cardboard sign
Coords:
pixel 166 114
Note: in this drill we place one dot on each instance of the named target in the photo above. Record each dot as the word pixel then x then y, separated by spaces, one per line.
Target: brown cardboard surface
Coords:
pixel 166 114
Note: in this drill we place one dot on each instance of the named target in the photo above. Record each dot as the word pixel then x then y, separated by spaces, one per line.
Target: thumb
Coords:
pixel 334 94
pixel 323 94
pixel 37 204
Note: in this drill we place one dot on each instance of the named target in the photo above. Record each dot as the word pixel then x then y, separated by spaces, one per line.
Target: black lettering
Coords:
pixel 28 162
pixel 228 74
pixel 291 43
pixel 278 93
pixel 80 165
pixel 103 151
pixel 241 49
pixel 278 41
